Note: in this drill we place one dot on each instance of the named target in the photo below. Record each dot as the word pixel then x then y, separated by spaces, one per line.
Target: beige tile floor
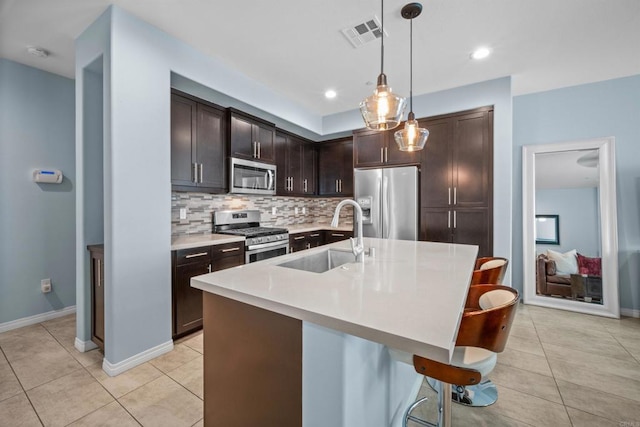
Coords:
pixel 559 369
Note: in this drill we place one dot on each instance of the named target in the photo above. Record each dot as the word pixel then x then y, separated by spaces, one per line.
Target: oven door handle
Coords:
pixel 267 245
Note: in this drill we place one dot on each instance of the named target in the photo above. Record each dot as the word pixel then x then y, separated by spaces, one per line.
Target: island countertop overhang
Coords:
pixel 410 296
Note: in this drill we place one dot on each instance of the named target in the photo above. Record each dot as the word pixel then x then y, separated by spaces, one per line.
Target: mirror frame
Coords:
pixel 608 227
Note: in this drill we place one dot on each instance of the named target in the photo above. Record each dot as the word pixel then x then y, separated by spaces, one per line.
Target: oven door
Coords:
pixel 249 177
pixel 265 251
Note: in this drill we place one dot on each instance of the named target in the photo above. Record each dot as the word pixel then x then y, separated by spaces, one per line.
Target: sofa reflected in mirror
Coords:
pixel 558 276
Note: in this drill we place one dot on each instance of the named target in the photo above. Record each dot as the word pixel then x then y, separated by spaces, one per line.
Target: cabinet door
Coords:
pixel 309 168
pixel 472 227
pixel 265 136
pixel 282 157
pixel 436 176
pixel 228 262
pixel 97 299
pixel 295 166
pixel 211 150
pixel 330 161
pixel 368 148
pixel 297 242
pixel 188 300
pixel 183 141
pixel 315 239
pixel 393 156
pixel 346 175
pixel 472 160
pixel 241 138
pixel 435 224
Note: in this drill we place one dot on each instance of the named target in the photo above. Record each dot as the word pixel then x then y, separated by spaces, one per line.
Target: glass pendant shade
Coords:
pixel 384 109
pixel 412 137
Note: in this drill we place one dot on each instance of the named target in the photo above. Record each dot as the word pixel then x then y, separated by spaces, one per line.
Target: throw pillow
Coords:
pixel 589 266
pixel 566 263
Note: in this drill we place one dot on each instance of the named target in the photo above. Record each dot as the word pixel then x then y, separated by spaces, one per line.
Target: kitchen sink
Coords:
pixel 321 261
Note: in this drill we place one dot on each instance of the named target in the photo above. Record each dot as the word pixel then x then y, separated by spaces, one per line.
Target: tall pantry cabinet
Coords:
pixel 457 179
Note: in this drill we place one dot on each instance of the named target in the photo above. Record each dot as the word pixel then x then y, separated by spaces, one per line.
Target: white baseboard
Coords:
pixel 83 346
pixel 629 312
pixel 113 369
pixel 38 318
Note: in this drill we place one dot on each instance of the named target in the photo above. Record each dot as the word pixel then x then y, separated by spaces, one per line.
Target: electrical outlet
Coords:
pixel 274 211
pixel 183 213
pixel 304 210
pixel 45 285
pixel 295 211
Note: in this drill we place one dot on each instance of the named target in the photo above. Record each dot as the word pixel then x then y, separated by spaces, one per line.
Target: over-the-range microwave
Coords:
pixel 249 177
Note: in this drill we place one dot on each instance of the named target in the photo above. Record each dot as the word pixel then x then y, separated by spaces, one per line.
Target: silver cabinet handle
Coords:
pixel 455 218
pixel 381 155
pixel 337 190
pixel 340 187
pixel 305 185
pixel 201 173
pixel 386 154
pixel 259 149
pixel 313 235
pixel 337 235
pixel 308 245
pixel 99 272
pixel 449 192
pixel 237 248
pixel 254 146
pixel 195 173
pixel 209 268
pixel 298 238
pixel 448 219
pixel 455 195
pixel 291 183
pixel 197 255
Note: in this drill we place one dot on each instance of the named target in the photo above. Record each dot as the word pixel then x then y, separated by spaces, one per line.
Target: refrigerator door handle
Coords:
pixel 386 212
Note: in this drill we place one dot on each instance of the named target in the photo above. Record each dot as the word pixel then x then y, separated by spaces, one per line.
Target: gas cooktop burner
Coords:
pixel 255 231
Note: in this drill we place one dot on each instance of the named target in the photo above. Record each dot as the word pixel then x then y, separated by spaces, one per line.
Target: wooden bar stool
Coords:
pixel 489 270
pixel 482 334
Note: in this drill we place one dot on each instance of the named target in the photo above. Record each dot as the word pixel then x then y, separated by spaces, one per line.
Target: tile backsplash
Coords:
pixel 200 207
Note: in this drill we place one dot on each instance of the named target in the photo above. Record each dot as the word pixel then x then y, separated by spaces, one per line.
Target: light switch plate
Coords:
pixel 295 211
pixel 183 213
pixel 274 211
pixel 304 210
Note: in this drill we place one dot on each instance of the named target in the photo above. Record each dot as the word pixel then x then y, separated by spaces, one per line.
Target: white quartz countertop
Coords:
pixel 410 296
pixel 305 228
pixel 199 240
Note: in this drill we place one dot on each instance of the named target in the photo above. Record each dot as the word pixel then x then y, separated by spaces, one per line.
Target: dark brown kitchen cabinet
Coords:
pixel 297 168
pixel 187 263
pixel 250 137
pixel 335 167
pixel 96 254
pixel 198 147
pixel 297 242
pixel 457 179
pixel 336 236
pixel 378 148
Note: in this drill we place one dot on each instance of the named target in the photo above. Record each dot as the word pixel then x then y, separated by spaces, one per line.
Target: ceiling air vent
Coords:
pixel 365 32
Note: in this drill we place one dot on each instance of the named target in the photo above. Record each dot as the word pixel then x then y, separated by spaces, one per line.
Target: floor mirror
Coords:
pixel 570 233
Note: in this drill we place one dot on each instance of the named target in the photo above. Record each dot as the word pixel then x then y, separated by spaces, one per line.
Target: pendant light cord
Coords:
pixel 382 38
pixel 411 65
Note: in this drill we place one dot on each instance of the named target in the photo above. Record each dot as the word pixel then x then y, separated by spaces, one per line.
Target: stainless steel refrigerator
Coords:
pixel 389 201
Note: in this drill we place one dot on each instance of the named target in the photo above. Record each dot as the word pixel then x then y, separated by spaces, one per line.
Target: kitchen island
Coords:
pixel 285 346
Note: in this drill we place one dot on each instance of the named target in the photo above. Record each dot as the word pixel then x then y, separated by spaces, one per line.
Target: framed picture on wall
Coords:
pixel 547 229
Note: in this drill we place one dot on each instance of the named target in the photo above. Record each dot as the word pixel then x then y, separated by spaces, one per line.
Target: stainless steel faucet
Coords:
pixel 357 246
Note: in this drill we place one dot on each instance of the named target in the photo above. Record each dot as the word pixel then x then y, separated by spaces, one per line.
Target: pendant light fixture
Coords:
pixel 412 137
pixel 384 109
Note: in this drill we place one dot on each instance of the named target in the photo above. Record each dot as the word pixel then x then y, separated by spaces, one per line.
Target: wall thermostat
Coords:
pixel 49 176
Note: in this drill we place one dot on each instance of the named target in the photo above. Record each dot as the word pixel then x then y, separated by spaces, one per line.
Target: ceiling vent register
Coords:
pixel 363 33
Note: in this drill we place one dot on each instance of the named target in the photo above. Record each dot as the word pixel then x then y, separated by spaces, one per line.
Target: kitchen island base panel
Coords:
pixel 252 365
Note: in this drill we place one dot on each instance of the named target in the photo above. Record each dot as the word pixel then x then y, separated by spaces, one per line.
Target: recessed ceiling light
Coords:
pixel 330 94
pixel 480 53
pixel 37 51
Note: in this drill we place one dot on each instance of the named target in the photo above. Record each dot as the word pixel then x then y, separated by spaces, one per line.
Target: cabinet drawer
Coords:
pixel 193 255
pixel 336 236
pixel 227 250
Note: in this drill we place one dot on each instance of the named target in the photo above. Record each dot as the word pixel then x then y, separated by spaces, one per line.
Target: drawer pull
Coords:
pixel 237 248
pixel 314 235
pixel 298 238
pixel 197 255
pixel 337 235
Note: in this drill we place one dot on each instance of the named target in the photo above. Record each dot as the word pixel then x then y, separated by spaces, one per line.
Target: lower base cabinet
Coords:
pixel 187 263
pixel 313 239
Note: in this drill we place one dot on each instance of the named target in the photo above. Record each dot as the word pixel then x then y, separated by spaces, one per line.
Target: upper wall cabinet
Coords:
pixel 250 137
pixel 198 148
pixel 378 148
pixel 335 167
pixel 297 168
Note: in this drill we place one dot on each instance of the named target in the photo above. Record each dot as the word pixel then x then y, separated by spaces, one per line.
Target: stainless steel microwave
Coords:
pixel 248 177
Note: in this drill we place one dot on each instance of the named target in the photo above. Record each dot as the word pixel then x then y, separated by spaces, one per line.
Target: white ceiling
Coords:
pixel 564 170
pixel 296 47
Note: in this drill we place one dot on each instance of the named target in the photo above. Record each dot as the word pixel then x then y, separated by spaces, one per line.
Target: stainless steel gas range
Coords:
pixel 260 242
